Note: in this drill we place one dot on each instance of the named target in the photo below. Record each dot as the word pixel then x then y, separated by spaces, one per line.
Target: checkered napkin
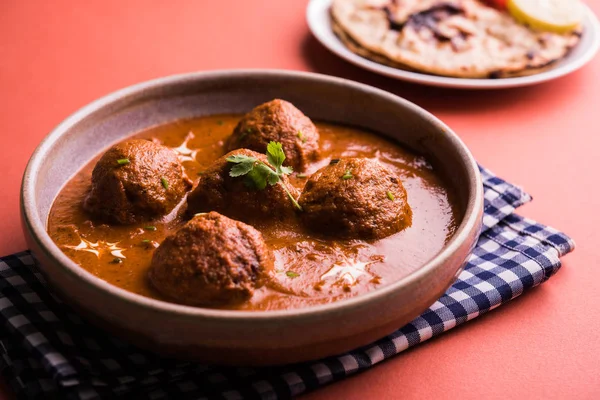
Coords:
pixel 48 351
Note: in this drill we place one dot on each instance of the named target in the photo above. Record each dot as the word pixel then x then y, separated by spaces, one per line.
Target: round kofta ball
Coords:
pixel 237 197
pixel 355 198
pixel 278 121
pixel 212 260
pixel 136 180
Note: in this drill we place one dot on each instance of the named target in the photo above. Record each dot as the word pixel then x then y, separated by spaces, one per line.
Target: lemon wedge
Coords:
pixel 559 16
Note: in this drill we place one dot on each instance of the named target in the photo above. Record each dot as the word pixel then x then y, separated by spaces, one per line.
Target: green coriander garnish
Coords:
pixel 123 161
pixel 164 182
pixel 292 274
pixel 220 122
pixel 301 136
pixel 116 260
pixel 390 195
pixel 150 228
pixel 259 174
pixel 347 175
pixel 334 161
pixel 200 173
pixel 146 241
pixel 302 176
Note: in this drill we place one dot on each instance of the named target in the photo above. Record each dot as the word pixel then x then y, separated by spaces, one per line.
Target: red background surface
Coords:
pixel 57 56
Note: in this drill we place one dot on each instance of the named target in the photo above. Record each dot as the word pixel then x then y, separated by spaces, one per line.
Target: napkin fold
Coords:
pixel 48 351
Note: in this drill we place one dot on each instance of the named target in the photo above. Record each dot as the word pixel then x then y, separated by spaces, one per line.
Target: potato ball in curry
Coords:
pixel 211 260
pixel 136 180
pixel 279 121
pixel 237 197
pixel 355 198
pixel 135 231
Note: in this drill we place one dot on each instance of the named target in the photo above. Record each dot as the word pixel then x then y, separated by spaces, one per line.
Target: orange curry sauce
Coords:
pixel 309 269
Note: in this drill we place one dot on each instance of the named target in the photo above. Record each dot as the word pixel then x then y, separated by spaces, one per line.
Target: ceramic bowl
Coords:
pixel 238 337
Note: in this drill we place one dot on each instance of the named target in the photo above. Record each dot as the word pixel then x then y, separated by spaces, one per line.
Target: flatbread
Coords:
pixel 459 38
pixel 353 46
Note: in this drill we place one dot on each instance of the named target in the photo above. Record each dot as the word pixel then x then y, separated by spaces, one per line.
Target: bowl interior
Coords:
pixel 92 129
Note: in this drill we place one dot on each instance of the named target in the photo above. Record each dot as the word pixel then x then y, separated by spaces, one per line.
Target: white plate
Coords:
pixel 319 22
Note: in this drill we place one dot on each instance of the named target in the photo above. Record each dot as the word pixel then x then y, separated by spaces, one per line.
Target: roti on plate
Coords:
pixel 458 38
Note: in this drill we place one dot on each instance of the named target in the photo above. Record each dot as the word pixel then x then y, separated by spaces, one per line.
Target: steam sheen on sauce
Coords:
pixel 310 269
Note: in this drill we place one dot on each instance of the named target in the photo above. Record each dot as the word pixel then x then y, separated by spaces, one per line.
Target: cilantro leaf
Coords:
pixel 272 179
pixel 243 164
pixel 241 168
pixel 238 158
pixel 275 155
pixel 258 174
pixel 257 178
pixel 267 173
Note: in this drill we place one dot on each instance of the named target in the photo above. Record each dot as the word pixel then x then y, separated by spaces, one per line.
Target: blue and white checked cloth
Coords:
pixel 49 351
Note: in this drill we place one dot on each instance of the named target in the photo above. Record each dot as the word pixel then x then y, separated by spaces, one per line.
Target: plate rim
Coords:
pixel 316 8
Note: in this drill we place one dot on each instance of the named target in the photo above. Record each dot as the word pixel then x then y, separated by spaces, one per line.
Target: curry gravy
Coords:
pixel 309 269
